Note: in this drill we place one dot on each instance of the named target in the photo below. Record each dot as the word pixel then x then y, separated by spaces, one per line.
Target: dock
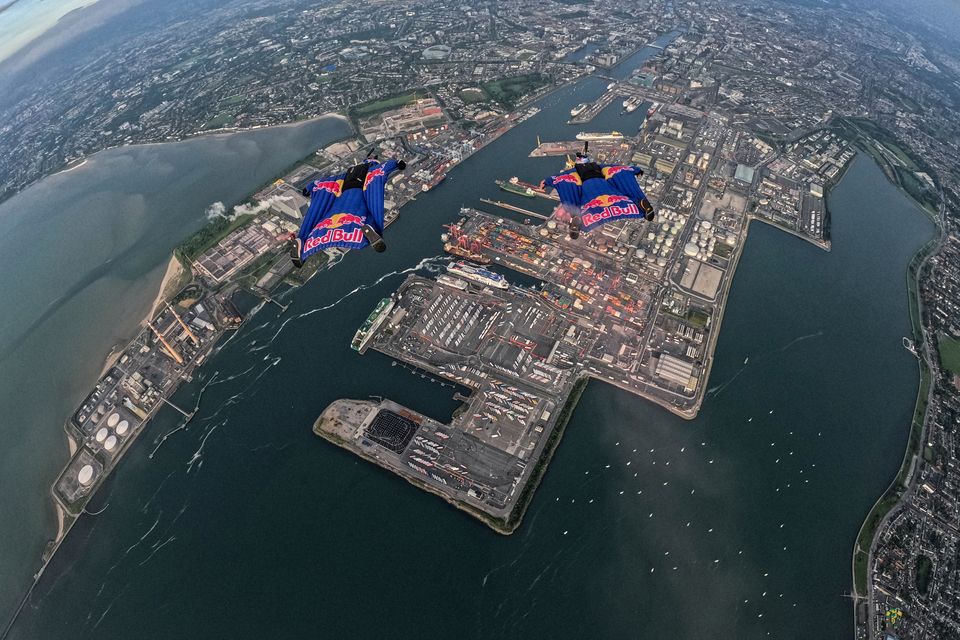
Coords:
pixel 510 207
pixel 596 107
pixel 563 148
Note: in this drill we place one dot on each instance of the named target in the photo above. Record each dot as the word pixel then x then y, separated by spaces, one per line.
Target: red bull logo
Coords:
pixel 609 172
pixel 330 186
pixel 605 200
pixel 338 220
pixel 572 178
pixel 373 174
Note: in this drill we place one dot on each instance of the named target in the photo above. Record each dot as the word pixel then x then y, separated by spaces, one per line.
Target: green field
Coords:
pixel 473 94
pixel 949 353
pixel 381 106
pixel 509 91
pixel 219 121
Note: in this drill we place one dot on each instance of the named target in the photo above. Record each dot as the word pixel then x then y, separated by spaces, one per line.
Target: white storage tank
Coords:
pixel 85 475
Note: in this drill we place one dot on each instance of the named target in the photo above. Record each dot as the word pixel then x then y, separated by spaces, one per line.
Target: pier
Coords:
pixel 510 207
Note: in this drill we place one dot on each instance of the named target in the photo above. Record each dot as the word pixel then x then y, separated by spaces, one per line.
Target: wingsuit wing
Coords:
pixel 373 192
pixel 569 188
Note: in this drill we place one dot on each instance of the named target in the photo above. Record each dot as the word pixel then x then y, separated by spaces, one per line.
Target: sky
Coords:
pixel 22 21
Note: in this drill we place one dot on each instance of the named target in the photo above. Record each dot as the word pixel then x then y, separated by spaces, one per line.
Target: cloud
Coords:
pixel 219 210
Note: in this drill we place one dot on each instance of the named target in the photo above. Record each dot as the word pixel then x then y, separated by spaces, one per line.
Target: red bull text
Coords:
pixel 607 207
pixel 332 236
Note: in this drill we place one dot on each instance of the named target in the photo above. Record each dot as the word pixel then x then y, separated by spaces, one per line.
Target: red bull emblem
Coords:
pixel 330 186
pixel 338 220
pixel 373 174
pixel 609 172
pixel 571 177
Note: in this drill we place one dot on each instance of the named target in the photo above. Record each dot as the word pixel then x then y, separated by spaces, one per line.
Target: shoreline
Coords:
pixel 899 489
pixel 66 168
pixel 175 270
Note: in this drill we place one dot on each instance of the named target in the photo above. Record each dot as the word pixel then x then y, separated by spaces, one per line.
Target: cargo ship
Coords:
pixel 653 109
pixel 613 136
pixel 526 185
pixel 478 274
pixel 512 186
pixel 462 252
pixel 427 186
pixel 577 110
pixel 370 325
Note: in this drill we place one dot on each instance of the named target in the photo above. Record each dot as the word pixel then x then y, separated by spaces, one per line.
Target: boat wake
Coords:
pixel 427 264
pixel 718 389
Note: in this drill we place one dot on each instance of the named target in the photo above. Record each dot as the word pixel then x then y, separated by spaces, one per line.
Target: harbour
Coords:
pixel 591 538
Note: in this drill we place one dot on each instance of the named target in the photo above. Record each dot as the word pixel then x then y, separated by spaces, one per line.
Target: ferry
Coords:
pixel 653 109
pixel 577 110
pixel 630 104
pixel 370 325
pixel 613 136
pixel 478 274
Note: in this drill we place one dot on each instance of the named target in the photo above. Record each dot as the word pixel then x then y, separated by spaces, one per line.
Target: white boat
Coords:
pixel 478 274
pixel 577 110
pixel 600 137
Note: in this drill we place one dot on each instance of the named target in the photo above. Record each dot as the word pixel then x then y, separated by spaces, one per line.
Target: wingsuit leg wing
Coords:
pixel 322 193
pixel 374 184
pixel 625 182
pixel 568 186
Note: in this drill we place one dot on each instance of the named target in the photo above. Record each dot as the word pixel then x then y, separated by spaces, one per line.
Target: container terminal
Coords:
pixel 634 304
